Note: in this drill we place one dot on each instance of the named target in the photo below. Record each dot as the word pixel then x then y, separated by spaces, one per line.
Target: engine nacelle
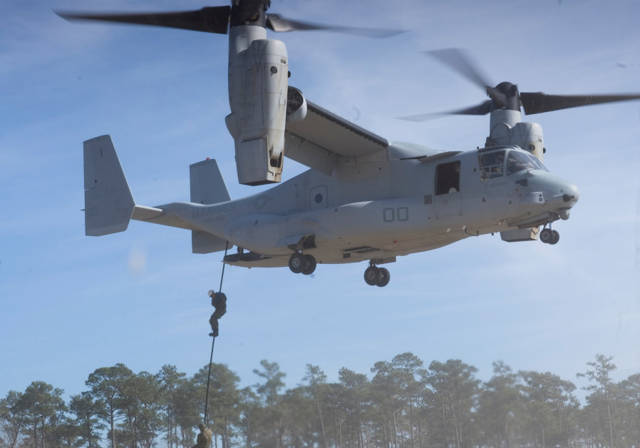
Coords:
pixel 258 72
pixel 528 136
pixel 507 129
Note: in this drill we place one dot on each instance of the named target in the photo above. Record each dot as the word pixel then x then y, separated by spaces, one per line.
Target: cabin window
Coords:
pixel 389 214
pixel 492 164
pixel 448 178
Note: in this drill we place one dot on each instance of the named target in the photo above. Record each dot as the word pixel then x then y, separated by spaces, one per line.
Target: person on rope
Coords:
pixel 219 302
pixel 204 437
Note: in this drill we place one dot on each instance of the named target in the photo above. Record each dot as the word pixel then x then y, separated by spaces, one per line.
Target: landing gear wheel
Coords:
pixel 308 264
pixel 555 237
pixel 546 236
pixel 296 262
pixel 371 275
pixel 383 277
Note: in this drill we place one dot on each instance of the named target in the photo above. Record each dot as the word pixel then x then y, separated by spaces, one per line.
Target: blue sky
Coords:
pixel 70 303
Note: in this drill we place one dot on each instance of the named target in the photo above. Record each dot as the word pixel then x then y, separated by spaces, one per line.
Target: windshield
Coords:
pixel 518 161
pixel 492 164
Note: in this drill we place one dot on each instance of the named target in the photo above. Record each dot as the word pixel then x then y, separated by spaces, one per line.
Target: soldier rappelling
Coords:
pixel 219 302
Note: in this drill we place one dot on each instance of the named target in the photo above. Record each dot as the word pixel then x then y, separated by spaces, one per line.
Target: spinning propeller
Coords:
pixel 506 95
pixel 218 19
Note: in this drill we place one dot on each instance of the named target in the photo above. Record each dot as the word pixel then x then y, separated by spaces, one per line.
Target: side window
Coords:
pixel 448 178
pixel 492 164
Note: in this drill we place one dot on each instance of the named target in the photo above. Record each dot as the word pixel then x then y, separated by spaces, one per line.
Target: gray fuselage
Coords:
pixel 385 208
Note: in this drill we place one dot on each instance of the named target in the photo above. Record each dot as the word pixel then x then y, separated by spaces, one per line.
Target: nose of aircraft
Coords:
pixel 571 194
pixel 557 191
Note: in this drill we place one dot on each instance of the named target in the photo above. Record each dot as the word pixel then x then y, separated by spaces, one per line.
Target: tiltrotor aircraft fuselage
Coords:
pixel 400 202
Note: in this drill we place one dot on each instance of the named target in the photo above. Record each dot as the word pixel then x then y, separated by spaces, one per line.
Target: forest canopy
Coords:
pixel 399 403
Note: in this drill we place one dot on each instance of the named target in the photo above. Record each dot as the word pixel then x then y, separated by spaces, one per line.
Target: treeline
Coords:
pixel 402 403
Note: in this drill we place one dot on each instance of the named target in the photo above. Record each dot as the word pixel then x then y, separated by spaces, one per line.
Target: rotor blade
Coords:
pixel 213 19
pixel 538 102
pixel 459 61
pixel 276 22
pixel 480 109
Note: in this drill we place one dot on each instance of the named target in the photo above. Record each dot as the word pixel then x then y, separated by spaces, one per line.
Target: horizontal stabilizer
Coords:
pixel 108 201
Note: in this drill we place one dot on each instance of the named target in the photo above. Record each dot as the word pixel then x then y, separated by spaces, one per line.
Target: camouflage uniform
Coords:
pixel 219 302
pixel 204 438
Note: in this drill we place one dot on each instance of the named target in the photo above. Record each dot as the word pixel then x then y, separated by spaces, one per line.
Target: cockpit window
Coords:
pixel 492 164
pixel 518 161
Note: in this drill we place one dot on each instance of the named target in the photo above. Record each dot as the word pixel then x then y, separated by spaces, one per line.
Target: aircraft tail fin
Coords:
pixel 107 199
pixel 207 187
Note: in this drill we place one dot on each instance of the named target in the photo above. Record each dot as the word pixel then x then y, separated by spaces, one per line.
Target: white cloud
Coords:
pixel 137 261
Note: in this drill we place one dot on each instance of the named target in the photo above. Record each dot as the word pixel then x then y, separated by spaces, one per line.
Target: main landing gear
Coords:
pixel 549 236
pixel 305 264
pixel 376 276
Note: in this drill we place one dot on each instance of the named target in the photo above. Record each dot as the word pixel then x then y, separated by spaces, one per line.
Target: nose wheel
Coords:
pixel 376 276
pixel 549 236
pixel 300 263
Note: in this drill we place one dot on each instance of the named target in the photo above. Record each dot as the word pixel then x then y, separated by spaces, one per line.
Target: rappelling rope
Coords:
pixel 226 247
pixel 213 340
pixel 206 399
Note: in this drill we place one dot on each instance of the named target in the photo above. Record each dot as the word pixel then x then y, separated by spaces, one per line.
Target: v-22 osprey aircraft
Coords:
pixel 363 198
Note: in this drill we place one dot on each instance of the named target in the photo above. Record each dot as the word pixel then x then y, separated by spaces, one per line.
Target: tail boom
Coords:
pixel 109 204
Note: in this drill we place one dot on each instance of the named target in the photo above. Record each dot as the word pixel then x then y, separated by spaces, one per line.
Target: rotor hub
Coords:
pixel 510 98
pixel 249 12
pixel 506 96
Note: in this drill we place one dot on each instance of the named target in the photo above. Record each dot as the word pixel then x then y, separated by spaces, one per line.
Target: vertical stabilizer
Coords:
pixel 207 187
pixel 108 201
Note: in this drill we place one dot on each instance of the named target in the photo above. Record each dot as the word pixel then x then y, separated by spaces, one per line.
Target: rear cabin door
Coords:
pixel 448 198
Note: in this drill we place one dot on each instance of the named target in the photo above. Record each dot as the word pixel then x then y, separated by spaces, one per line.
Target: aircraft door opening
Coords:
pixel 448 199
pixel 318 197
